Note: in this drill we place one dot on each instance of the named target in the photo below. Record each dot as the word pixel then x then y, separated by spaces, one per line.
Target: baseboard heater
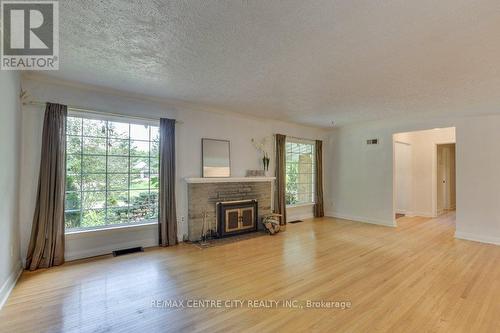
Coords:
pixel 117 253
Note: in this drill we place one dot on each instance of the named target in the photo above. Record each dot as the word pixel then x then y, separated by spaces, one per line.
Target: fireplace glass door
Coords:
pixel 235 217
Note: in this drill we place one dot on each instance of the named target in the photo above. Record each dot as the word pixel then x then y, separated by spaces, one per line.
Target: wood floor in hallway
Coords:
pixel 415 277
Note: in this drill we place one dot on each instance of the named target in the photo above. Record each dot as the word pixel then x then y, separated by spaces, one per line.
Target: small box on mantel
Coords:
pixel 256 173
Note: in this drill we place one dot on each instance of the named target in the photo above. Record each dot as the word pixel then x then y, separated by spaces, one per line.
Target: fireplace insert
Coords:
pixel 236 217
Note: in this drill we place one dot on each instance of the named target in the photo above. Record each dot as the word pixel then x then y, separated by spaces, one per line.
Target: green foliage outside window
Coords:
pixel 112 173
pixel 299 172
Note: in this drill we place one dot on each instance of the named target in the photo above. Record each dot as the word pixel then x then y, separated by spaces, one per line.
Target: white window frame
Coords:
pixel 292 140
pixel 131 121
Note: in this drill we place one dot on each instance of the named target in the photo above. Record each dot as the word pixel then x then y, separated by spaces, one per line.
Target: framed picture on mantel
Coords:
pixel 216 158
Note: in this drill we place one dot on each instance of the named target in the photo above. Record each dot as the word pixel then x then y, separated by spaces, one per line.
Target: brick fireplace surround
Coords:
pixel 204 193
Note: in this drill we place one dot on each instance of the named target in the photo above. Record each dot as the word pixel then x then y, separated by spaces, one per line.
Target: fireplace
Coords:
pixel 236 217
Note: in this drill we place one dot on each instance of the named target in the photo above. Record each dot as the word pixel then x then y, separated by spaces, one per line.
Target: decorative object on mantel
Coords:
pixel 261 146
pixel 272 223
pixel 256 173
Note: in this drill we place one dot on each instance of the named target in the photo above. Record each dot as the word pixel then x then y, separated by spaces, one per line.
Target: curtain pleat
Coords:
pixel 318 206
pixel 280 171
pixel 46 247
pixel 168 216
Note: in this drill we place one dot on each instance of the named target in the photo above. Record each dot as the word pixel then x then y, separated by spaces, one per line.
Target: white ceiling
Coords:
pixel 303 61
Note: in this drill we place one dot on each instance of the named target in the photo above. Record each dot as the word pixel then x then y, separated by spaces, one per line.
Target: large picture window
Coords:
pixel 112 173
pixel 299 172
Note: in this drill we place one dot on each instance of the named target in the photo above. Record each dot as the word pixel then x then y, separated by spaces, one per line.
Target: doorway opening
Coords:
pixel 446 184
pixel 424 173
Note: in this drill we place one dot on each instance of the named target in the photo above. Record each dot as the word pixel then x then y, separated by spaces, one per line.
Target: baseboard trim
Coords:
pixel 361 219
pixel 9 285
pixel 299 217
pixel 477 238
pixel 423 214
pixel 104 250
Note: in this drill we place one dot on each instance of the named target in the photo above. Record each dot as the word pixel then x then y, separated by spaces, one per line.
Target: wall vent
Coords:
pixel 372 142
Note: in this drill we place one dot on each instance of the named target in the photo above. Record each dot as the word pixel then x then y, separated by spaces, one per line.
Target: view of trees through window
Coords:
pixel 111 173
pixel 299 172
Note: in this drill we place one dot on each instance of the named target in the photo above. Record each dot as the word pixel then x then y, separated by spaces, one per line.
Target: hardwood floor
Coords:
pixel 415 277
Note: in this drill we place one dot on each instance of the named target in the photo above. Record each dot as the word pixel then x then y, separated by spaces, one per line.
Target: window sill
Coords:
pixel 115 229
pixel 301 205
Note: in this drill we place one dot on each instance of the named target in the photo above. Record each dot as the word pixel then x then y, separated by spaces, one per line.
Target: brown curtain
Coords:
pixel 279 198
pixel 318 207
pixel 46 248
pixel 168 216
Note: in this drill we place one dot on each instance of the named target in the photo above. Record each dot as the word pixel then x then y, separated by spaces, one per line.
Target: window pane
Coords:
pixel 139 132
pixel 139 164
pixel 117 182
pixel 118 215
pixel 118 147
pixel 93 218
pixel 151 212
pixel 117 199
pixel 94 146
pixel 118 164
pixel 139 148
pixel 139 181
pixel 154 165
pixel 155 149
pixel 94 182
pixel 139 197
pixel 93 200
pixel 72 219
pixel 73 182
pixel 74 126
pixel 73 201
pixel 93 127
pixel 74 145
pixel 155 133
pixel 118 130
pixel 154 182
pixel 73 164
pixel 153 197
pixel 94 164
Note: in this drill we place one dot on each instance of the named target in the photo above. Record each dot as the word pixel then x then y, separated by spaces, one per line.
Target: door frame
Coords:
pixel 410 211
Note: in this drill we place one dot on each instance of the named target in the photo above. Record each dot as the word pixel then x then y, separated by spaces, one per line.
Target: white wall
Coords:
pixel 424 167
pixel 10 120
pixel 361 182
pixel 403 172
pixel 196 124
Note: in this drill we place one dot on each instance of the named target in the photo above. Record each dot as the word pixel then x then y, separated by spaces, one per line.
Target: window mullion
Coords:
pixel 106 176
pixel 129 211
pixel 81 172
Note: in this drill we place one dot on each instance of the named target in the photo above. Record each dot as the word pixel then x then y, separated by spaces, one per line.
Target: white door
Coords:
pixel 403 169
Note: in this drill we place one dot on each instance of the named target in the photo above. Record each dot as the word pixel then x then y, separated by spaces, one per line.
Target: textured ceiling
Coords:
pixel 303 61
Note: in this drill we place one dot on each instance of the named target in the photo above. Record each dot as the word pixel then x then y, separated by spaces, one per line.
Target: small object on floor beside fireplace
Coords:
pixel 272 223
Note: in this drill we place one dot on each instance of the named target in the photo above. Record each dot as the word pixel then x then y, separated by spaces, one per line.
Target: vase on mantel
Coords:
pixel 265 162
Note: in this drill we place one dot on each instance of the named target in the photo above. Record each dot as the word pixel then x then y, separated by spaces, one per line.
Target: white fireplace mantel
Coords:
pixel 229 180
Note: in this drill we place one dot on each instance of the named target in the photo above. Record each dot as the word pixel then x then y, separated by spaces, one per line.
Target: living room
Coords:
pixel 233 166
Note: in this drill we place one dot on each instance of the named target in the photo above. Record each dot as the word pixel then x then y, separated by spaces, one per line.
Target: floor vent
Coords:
pixel 295 221
pixel 127 251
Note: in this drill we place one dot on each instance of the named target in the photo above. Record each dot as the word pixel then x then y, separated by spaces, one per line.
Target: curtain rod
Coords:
pixel 79 109
pixel 297 138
